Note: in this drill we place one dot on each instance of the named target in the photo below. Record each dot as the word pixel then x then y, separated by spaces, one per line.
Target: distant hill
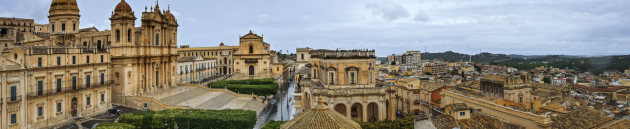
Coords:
pixel 484 58
pixel 581 63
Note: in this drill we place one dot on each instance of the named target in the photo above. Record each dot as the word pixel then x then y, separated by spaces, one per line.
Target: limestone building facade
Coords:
pixel 345 80
pixel 251 59
pixel 196 69
pixel 56 72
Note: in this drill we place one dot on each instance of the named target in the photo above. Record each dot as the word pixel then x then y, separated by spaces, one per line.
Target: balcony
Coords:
pixel 349 91
pixel 14 105
pixel 33 95
pixel 201 69
pixel 15 99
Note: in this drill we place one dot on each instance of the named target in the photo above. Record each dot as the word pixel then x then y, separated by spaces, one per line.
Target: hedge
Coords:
pixel 404 123
pixel 110 125
pixel 193 118
pixel 260 87
pixel 273 124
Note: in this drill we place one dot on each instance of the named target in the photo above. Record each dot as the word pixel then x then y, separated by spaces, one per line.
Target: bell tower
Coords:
pixel 123 29
pixel 63 18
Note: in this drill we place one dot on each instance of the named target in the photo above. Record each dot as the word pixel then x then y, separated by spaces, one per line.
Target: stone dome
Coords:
pixel 63 8
pixel 320 117
pixel 123 7
pixel 63 5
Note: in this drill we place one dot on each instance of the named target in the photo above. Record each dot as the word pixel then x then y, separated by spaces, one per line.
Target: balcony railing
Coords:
pixel 201 69
pixel 350 91
pixel 14 99
pixel 48 92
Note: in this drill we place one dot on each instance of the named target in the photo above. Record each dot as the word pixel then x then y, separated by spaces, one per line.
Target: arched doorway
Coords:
pixel 356 112
pixel 73 107
pixel 341 108
pixel 251 70
pixel 372 112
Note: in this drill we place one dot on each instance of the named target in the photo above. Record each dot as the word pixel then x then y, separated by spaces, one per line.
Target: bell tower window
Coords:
pixel 129 35
pixel 157 39
pixel 251 49
pixel 117 35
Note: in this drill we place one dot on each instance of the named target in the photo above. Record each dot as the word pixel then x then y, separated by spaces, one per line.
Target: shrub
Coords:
pixel 260 87
pixel 273 124
pixel 404 123
pixel 193 118
pixel 110 125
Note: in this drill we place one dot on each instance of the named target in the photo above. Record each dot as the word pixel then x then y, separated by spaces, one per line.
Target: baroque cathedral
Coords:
pixel 51 73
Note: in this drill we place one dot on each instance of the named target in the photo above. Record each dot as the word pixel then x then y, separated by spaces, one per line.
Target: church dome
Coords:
pixel 64 7
pixel 123 7
pixel 320 117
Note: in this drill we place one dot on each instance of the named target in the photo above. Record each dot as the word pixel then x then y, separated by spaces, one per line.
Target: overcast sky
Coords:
pixel 532 27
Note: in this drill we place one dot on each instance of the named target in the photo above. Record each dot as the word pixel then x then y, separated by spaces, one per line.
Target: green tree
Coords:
pixel 547 80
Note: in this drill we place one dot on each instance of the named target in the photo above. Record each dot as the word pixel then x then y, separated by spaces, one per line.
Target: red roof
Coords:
pixel 607 89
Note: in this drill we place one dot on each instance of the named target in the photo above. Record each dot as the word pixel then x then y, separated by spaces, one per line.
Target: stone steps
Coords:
pixel 192 102
pixel 254 106
pixel 217 102
pixel 237 103
pixel 183 96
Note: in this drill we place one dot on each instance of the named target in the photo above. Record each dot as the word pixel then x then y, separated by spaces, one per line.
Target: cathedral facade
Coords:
pixel 49 76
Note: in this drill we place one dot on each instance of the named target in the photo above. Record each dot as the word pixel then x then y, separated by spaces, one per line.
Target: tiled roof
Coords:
pixel 608 89
pixel 187 59
pixel 321 117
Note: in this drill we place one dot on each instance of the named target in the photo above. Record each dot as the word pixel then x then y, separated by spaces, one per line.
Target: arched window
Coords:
pixel 129 35
pixel 157 39
pixel 15 56
pixel 224 60
pixel 251 70
pixel 98 44
pixel 117 35
pixel 251 49
pixel 84 43
pixel 302 56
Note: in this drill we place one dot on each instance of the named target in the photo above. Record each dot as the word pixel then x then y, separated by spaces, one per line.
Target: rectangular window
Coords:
pixel 58 107
pixel 74 82
pixel 13 118
pixel 87 100
pixel 462 113
pixel 87 59
pixel 87 81
pixel 39 61
pixel 74 59
pixel 58 84
pixel 102 58
pixel 74 26
pixel 40 111
pixel 58 60
pixel 102 97
pixel 157 39
pixel 13 93
pixel 63 26
pixel 102 78
pixel 40 87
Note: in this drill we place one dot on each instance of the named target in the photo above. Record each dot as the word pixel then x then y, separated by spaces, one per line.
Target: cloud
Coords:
pixel 579 27
pixel 421 16
pixel 388 10
pixel 265 18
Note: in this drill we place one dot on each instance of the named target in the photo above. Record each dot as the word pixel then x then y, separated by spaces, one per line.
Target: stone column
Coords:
pixel 349 110
pixel 364 118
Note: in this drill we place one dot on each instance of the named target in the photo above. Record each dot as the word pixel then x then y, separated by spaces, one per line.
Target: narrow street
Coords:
pixel 280 107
